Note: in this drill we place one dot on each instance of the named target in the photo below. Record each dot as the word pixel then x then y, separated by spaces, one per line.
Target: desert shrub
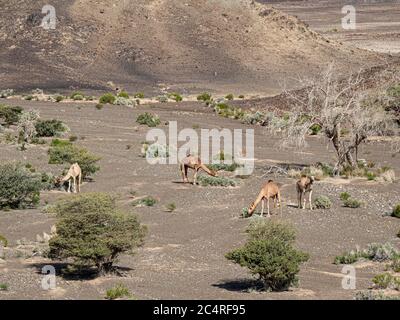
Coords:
pixel 107 98
pixel 155 151
pixel 352 203
pixel 326 168
pixel 224 166
pixel 123 94
pixel 374 251
pixel 90 98
pixel 139 95
pixel 59 98
pixel 99 106
pixel 315 129
pixel 396 211
pixel 241 96
pixel 216 181
pixel 394 91
pixel 122 101
pixel 162 99
pixel 315 172
pixel 77 96
pixel 269 253
pixel 6 93
pixel 148 119
pixel 10 115
pixel 175 96
pixel 380 252
pixel 27 126
pixel 227 111
pixel 93 232
pixel 395 265
pixel 50 128
pixel 386 281
pixel 70 154
pixel 344 196
pixel 3 286
pixel 18 186
pixel 171 207
pixel 348 257
pixel 60 143
pixel 387 175
pixel 370 175
pixel 3 241
pixel 323 202
pixel 73 138
pixel 229 96
pixel 28 98
pixel 204 97
pixel 253 118
pixel 371 295
pixel 147 202
pixel 117 292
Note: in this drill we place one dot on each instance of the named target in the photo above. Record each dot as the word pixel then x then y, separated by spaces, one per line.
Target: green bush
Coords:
pixel 117 292
pixel 204 97
pixel 3 241
pixel 99 106
pixel 10 115
pixel 107 98
pixel 374 252
pixel 323 202
pixel 50 128
pixel 123 94
pixel 70 154
pixel 216 181
pixel 344 196
pixel 60 143
pixel 3 286
pixel 18 186
pixel 59 98
pixel 77 96
pixel 171 207
pixel 371 295
pixel 148 119
pixel 352 203
pixel 175 96
pixel 148 202
pixel 224 167
pixel 395 265
pixel 93 232
pixel 241 96
pixel 396 211
pixel 315 129
pixel 386 280
pixel 269 253
pixel 347 258
pixel 229 96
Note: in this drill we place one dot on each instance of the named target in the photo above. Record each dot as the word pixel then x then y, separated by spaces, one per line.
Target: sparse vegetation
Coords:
pixel 10 115
pixel 19 187
pixel 344 196
pixel 123 94
pixel 67 153
pixel 3 241
pixel 146 202
pixel 371 295
pixel 107 98
pixel 216 181
pixel 171 207
pixel 352 203
pixel 50 128
pixel 229 96
pixel 386 281
pixel 396 211
pixel 148 119
pixel 269 253
pixel 122 101
pixel 3 286
pixel 139 95
pixel 175 96
pixel 323 202
pixel 93 232
pixel 117 292
pixel 206 97
pixel 375 252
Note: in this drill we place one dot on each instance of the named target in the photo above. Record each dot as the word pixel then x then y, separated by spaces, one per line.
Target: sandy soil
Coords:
pixel 183 256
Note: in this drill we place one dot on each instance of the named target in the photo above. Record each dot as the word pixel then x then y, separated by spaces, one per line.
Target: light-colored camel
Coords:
pixel 194 163
pixel 303 186
pixel 269 190
pixel 75 174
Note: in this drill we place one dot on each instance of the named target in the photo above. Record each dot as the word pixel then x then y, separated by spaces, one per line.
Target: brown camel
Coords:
pixel 270 190
pixel 303 186
pixel 194 163
pixel 74 173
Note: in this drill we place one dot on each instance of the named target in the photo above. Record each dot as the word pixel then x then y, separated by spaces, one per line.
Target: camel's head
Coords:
pixel 251 209
pixel 312 179
pixel 58 180
pixel 214 173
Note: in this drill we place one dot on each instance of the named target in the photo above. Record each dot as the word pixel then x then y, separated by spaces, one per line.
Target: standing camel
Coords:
pixel 270 190
pixel 303 186
pixel 195 164
pixel 74 173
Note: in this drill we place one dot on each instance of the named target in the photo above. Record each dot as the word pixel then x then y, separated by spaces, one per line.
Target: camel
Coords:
pixel 74 173
pixel 195 164
pixel 269 190
pixel 303 186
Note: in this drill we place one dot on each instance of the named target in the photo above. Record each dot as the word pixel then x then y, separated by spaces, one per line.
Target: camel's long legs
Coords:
pixel 309 199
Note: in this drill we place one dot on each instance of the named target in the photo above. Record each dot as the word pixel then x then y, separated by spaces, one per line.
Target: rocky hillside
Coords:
pixel 191 44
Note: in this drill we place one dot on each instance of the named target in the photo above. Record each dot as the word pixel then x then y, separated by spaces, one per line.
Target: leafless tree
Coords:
pixel 341 109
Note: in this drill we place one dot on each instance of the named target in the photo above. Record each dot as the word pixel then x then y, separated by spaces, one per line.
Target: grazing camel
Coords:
pixel 195 164
pixel 303 186
pixel 74 173
pixel 270 190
